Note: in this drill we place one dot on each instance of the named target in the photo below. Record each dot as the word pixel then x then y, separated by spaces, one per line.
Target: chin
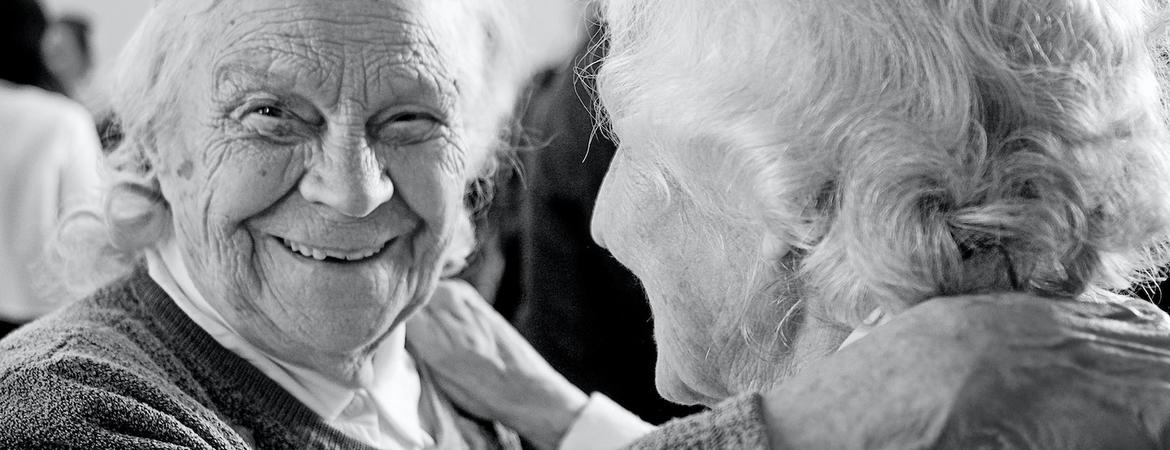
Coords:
pixel 674 389
pixel 333 306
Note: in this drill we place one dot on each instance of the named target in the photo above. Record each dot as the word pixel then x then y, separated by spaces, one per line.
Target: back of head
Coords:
pixel 22 27
pixel 921 148
pixel 79 29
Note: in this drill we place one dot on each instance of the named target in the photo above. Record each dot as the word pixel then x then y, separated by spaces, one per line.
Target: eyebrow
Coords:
pixel 265 68
pixel 241 72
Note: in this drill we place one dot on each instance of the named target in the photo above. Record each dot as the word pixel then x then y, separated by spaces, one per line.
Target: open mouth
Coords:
pixel 332 255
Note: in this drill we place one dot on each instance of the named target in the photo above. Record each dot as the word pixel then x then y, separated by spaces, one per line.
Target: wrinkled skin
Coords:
pixel 701 270
pixel 335 124
pixel 722 285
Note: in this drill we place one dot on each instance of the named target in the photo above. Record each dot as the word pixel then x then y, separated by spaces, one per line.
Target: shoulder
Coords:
pixel 92 373
pixel 1006 371
pixel 46 127
pixel 40 105
pixel 1053 373
pixel 108 326
pixel 978 332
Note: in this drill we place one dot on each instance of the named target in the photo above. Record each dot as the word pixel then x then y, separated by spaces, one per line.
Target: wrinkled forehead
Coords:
pixel 334 42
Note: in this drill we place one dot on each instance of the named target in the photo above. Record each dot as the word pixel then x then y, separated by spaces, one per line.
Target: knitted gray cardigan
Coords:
pixel 126 369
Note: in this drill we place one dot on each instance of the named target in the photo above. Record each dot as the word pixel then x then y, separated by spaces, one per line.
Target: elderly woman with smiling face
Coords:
pixel 873 224
pixel 294 174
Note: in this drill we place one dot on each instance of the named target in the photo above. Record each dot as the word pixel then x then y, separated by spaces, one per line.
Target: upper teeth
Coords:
pixel 320 254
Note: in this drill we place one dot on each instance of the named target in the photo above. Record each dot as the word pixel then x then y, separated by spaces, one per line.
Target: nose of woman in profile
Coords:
pixel 609 203
pixel 349 178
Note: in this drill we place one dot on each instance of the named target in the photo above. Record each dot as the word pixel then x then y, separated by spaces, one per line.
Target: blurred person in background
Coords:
pixel 873 225
pixel 68 52
pixel 48 161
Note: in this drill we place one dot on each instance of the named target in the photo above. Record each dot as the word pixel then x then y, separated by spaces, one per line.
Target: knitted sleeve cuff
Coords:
pixel 735 424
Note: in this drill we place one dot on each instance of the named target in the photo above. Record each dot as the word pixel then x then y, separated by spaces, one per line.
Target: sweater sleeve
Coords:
pixel 735 424
pixel 77 401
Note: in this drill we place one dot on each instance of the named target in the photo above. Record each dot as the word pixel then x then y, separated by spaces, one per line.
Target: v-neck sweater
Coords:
pixel 126 368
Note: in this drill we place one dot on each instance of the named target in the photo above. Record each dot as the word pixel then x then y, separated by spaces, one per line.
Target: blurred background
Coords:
pixel 110 24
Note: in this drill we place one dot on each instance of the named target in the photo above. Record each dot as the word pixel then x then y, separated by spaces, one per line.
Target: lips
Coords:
pixel 332 254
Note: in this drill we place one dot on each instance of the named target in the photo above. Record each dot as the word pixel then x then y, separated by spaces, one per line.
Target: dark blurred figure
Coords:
pixel 22 31
pixel 68 53
pixel 48 161
pixel 581 309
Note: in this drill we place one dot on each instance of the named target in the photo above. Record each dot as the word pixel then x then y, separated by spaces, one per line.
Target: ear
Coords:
pixel 136 213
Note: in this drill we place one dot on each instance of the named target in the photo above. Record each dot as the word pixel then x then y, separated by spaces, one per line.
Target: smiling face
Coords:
pixel 317 167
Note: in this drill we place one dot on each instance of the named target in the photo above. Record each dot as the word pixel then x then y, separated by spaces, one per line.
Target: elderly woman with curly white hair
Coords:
pixel 869 224
pixel 292 183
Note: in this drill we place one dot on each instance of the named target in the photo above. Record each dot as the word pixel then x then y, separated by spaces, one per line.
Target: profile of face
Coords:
pixel 316 169
pixel 677 209
pixel 715 281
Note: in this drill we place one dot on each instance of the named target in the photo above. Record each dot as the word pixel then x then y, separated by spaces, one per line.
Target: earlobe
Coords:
pixel 136 214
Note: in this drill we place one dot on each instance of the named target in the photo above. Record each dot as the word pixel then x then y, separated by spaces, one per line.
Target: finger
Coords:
pixel 467 336
pixel 475 312
pixel 443 296
pixel 427 337
pixel 464 306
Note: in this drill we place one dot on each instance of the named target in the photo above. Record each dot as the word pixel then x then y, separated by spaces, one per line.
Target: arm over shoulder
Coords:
pixel 1005 371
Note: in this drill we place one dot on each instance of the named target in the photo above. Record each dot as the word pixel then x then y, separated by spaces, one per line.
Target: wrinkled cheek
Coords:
pixel 434 191
pixel 428 185
pixel 246 183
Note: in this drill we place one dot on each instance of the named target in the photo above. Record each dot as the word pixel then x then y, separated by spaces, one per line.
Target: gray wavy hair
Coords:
pixel 919 148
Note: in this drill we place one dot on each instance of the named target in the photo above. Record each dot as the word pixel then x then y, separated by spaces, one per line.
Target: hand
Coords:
pixel 488 369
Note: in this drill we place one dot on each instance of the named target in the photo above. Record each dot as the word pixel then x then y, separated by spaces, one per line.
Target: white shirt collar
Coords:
pixel 383 412
pixel 875 319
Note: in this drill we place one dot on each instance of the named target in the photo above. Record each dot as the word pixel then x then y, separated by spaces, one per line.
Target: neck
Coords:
pixel 802 341
pixel 353 369
pixel 815 340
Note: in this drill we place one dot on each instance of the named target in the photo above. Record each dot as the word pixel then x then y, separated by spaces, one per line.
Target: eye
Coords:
pixel 273 122
pixel 271 111
pixel 408 128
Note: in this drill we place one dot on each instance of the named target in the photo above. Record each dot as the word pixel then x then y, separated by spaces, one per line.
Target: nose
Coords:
pixel 348 177
pixel 603 208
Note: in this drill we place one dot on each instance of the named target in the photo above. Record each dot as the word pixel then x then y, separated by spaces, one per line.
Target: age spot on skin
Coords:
pixel 186 169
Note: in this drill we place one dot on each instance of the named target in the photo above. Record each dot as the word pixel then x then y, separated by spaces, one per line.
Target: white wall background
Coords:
pixel 112 22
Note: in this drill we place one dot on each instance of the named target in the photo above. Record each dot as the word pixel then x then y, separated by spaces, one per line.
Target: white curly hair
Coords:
pixel 917 148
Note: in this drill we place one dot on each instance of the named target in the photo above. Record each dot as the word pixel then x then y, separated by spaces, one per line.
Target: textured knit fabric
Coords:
pixel 381 409
pixel 995 371
pixel 126 369
pixel 735 424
